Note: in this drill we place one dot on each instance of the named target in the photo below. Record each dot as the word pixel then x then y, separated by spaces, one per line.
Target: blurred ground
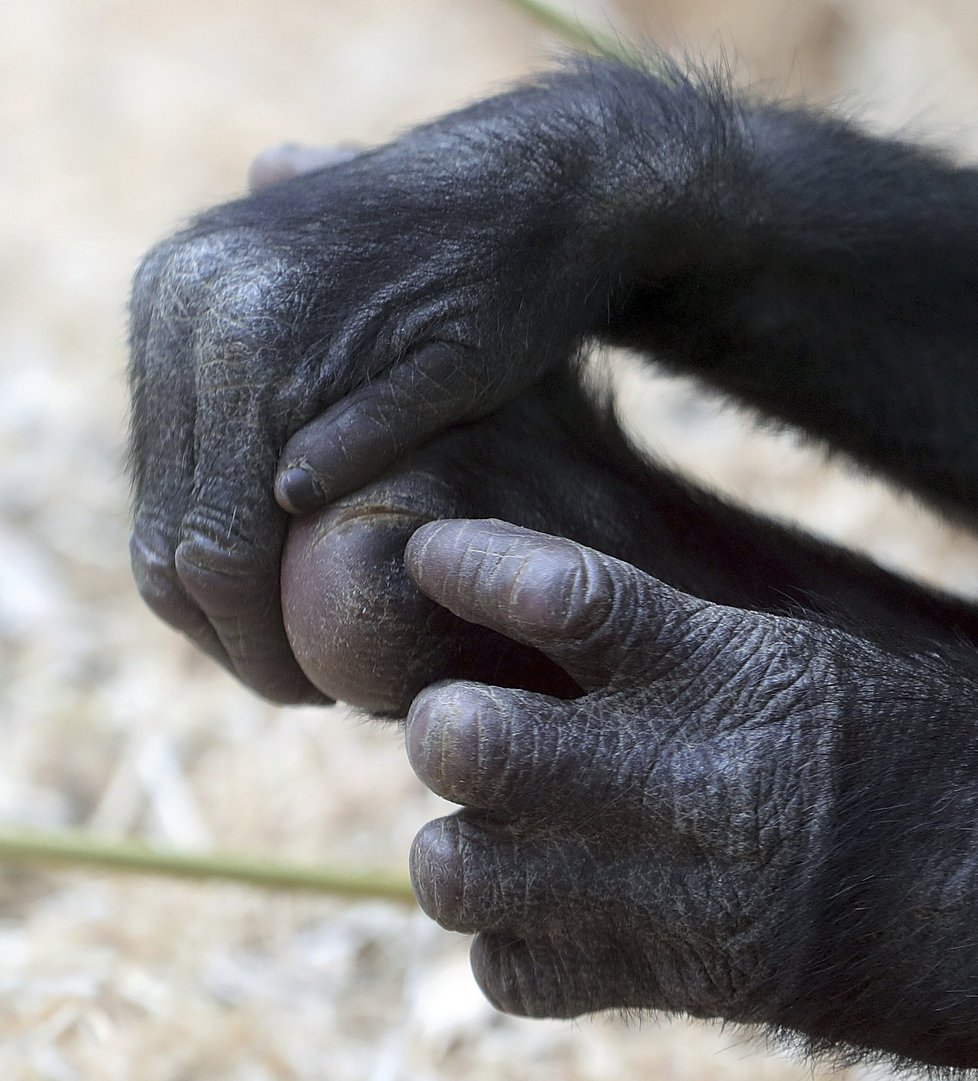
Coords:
pixel 118 120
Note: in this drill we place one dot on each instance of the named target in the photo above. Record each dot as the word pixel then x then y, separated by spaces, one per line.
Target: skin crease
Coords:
pixel 629 761
pixel 705 763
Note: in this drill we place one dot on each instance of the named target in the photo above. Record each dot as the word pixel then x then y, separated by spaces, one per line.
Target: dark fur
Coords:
pixel 825 278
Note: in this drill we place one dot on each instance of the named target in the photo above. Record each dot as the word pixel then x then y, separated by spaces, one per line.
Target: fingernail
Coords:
pixel 298 491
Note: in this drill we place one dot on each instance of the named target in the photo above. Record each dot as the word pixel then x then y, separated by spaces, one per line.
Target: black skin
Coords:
pixel 725 769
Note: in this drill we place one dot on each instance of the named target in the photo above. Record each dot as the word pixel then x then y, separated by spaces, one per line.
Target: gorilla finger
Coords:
pixel 473 874
pixel 596 616
pixel 188 559
pixel 155 574
pixel 559 978
pixel 359 437
pixel 161 448
pixel 231 538
pixel 509 751
pixel 236 585
pixel 282 162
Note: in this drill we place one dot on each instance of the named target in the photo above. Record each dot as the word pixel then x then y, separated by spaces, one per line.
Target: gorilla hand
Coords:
pixel 742 818
pixel 400 291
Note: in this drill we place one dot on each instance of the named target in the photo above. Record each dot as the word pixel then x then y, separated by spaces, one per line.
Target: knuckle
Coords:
pixel 585 592
pixel 458 736
pixel 227 290
pixel 220 567
pixel 503 970
pixel 230 536
pixel 432 375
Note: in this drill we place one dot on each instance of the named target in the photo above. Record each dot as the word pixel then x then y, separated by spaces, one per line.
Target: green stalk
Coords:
pixel 71 849
pixel 576 33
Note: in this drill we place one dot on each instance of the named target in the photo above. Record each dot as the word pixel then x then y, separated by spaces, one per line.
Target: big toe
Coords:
pixel 362 631
pixel 356 623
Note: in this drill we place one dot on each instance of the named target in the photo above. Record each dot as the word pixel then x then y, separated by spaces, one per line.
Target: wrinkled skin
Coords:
pixel 268 311
pixel 705 763
pixel 624 848
pixel 661 841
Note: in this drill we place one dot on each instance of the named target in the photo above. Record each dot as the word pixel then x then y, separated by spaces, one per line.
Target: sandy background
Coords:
pixel 116 121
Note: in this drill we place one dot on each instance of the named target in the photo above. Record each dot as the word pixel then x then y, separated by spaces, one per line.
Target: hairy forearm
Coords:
pixel 825 276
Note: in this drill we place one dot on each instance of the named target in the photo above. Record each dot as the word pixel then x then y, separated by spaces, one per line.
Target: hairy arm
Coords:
pixel 824 276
